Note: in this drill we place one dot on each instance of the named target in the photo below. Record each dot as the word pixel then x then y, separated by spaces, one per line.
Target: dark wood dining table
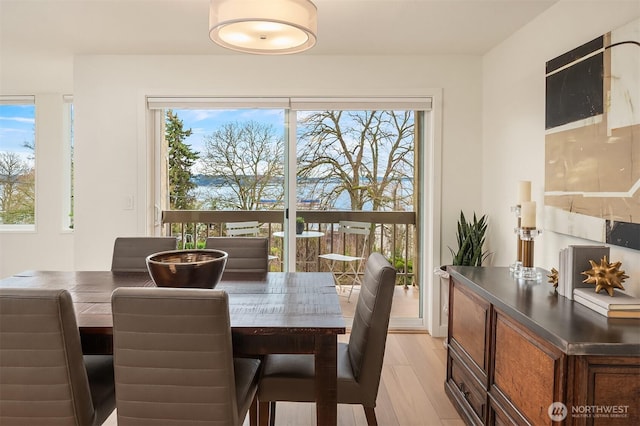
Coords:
pixel 277 312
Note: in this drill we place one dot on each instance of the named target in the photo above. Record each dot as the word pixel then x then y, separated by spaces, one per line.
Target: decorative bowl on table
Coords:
pixel 200 268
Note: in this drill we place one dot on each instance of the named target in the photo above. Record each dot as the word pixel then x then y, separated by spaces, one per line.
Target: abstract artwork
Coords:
pixel 592 140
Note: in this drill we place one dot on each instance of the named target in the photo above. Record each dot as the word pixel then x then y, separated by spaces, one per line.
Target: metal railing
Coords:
pixel 392 233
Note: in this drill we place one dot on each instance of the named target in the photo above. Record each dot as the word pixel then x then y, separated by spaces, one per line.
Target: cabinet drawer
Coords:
pixel 610 383
pixel 467 390
pixel 528 374
pixel 469 329
pixel 497 416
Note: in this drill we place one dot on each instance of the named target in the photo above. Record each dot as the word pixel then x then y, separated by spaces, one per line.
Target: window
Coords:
pixel 17 162
pixel 231 159
pixel 234 151
pixel 68 164
pixel 360 160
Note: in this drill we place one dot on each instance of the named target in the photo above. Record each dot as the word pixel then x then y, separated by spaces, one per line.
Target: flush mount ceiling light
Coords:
pixel 263 26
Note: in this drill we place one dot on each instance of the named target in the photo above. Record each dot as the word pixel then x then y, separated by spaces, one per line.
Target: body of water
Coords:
pixel 310 194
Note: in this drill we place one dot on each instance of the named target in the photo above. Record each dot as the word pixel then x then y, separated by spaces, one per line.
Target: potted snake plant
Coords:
pixel 470 237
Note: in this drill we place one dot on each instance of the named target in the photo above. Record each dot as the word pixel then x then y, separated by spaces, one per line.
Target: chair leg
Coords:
pixel 332 266
pixel 263 413
pixel 370 413
pixel 253 412
pixel 356 279
pixel 272 413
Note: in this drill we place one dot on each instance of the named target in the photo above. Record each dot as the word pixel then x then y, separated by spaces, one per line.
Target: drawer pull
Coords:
pixel 462 388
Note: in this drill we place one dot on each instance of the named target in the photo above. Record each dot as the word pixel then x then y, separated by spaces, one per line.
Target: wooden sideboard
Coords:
pixel 516 347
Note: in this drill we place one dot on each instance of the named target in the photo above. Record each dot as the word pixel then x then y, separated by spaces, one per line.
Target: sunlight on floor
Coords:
pixel 405 301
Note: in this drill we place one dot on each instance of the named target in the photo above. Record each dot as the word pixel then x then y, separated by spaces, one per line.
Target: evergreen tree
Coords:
pixel 181 158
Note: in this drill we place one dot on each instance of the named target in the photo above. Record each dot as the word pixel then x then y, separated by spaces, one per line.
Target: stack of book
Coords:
pixel 621 305
pixel 574 260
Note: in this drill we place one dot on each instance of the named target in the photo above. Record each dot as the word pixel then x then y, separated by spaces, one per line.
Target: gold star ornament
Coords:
pixel 605 276
pixel 553 278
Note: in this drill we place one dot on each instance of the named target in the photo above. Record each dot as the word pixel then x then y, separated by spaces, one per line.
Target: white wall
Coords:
pixel 513 122
pixel 111 148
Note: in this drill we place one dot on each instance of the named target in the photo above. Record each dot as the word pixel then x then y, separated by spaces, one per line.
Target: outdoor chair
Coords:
pixel 130 253
pixel 44 378
pixel 242 229
pixel 247 254
pixel 290 377
pixel 343 265
pixel 174 361
pixel 245 229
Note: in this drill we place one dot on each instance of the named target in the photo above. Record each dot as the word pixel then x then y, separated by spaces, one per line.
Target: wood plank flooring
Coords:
pixel 411 389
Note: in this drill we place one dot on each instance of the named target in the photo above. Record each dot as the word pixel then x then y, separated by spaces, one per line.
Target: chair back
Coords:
pixel 356 228
pixel 352 227
pixel 370 324
pixel 130 253
pixel 247 254
pixel 243 229
pixel 173 357
pixel 43 379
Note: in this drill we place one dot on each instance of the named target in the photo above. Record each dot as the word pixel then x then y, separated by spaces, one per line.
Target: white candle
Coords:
pixel 524 191
pixel 528 214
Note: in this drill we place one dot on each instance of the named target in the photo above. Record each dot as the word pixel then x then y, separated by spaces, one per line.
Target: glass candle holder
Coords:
pixel 528 271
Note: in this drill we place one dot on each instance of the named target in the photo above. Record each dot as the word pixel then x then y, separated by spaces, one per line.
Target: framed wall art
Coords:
pixel 592 139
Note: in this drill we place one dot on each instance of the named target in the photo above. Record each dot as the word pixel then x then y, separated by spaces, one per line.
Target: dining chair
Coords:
pixel 174 361
pixel 247 254
pixel 287 377
pixel 249 228
pixel 44 378
pixel 130 253
pixel 351 263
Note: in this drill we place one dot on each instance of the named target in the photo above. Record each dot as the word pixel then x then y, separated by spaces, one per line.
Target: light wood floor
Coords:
pixel 411 389
pixel 405 304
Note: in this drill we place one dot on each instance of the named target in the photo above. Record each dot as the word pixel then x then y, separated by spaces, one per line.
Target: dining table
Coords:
pixel 276 312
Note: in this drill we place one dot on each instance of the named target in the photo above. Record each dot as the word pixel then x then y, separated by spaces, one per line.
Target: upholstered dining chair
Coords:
pixel 44 378
pixel 173 359
pixel 247 254
pixel 130 253
pixel 287 377
pixel 250 228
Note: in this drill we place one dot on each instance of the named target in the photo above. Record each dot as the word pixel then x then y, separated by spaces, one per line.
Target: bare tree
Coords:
pixel 17 189
pixel 246 158
pixel 366 154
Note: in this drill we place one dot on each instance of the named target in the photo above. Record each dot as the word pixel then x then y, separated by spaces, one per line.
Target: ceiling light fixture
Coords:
pixel 269 27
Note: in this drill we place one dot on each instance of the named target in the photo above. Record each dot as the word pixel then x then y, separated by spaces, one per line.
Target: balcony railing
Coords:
pixel 392 233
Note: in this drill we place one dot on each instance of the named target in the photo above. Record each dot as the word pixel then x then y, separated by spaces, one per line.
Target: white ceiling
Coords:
pixel 345 27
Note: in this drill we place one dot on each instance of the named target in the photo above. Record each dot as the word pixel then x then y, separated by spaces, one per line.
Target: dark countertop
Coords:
pixel 573 328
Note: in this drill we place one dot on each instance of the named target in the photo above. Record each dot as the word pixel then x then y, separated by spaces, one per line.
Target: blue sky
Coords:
pixel 17 124
pixel 16 127
pixel 204 122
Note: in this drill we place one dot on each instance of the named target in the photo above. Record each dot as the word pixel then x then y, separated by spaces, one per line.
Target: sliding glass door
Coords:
pixel 312 162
